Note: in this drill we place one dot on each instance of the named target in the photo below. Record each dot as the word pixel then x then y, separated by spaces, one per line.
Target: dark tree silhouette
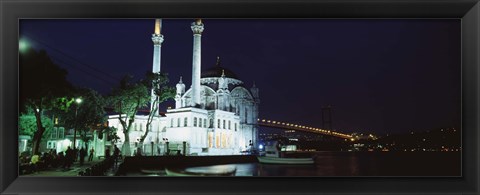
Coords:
pixel 42 83
pixel 90 114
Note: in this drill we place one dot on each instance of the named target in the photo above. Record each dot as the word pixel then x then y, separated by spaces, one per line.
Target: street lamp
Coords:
pixel 23 45
pixel 78 101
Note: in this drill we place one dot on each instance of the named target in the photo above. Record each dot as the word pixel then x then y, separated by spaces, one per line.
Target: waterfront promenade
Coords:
pixel 72 171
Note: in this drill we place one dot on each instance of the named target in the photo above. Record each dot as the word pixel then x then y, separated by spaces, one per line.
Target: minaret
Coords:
pixel 157 39
pixel 197 28
pixel 180 91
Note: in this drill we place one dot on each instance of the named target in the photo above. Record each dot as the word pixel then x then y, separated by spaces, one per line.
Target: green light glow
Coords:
pixel 23 45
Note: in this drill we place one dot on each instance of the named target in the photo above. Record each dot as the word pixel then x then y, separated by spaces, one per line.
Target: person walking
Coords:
pixel 116 152
pixel 82 155
pixel 69 157
pixel 90 157
pixel 116 155
pixel 107 153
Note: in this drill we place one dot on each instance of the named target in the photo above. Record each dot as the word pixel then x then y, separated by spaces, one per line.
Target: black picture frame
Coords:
pixel 12 10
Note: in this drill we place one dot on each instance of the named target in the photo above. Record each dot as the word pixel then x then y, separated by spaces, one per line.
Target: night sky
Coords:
pixel 380 76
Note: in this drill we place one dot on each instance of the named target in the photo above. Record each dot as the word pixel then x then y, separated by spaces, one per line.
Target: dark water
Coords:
pixel 357 164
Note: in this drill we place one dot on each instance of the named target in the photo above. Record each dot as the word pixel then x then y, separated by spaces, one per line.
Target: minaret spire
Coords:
pixel 157 40
pixel 197 29
pixel 158 26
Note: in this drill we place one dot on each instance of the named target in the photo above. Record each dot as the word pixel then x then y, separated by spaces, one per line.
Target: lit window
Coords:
pixel 54 133
pixel 61 133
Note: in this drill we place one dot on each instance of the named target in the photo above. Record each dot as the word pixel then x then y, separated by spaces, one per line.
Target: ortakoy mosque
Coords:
pixel 216 116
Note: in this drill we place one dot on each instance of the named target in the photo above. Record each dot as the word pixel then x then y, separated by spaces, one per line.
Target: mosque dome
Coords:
pixel 217 71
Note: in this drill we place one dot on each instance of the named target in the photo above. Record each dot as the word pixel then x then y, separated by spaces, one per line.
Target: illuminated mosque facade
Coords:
pixel 217 115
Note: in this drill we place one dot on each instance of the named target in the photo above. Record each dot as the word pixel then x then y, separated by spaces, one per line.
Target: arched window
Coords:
pixel 61 133
pixel 53 135
pixel 185 122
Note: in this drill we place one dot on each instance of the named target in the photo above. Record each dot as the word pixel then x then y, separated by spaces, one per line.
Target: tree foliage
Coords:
pixel 28 125
pixel 87 116
pixel 132 96
pixel 126 100
pixel 157 82
pixel 42 82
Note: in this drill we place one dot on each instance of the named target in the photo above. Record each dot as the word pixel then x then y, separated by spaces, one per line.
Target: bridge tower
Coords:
pixel 327 117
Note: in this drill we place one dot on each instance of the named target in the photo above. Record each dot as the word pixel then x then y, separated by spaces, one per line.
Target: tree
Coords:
pixel 42 82
pixel 87 116
pixel 158 83
pixel 28 124
pixel 126 100
pixel 111 134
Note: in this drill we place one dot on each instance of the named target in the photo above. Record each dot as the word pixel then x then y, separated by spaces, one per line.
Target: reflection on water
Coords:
pixel 351 164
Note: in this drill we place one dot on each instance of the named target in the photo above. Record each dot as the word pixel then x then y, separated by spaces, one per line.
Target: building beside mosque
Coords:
pixel 217 115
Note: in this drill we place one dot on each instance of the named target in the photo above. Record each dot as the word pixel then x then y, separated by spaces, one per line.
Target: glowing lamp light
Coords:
pixel 78 100
pixel 23 45
pixel 260 146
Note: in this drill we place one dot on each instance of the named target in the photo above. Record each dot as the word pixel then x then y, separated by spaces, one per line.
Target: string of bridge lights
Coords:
pixel 304 127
